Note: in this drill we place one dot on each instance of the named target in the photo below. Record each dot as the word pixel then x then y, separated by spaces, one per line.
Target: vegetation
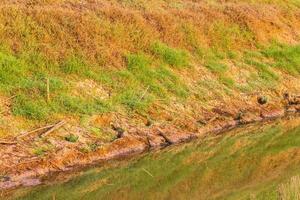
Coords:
pixel 71 138
pixel 136 61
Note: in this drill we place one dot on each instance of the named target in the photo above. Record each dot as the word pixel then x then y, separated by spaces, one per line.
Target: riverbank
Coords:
pixel 30 171
pixel 255 161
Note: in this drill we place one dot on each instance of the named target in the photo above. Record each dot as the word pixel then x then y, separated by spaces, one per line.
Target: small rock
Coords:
pixel 262 100
pixel 119 130
pixel 148 122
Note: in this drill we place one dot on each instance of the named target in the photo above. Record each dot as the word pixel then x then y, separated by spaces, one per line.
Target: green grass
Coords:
pixel 143 83
pixel 286 58
pixel 264 70
pixel 147 77
pixel 240 165
pixel 172 56
pixel 216 67
pixel 32 109
pixel 74 65
pixel 135 87
pixel 72 138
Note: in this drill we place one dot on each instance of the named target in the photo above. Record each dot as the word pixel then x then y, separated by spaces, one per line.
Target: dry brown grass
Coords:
pixel 290 190
pixel 104 31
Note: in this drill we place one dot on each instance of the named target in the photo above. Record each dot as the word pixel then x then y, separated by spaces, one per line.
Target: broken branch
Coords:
pixel 55 127
pixel 7 143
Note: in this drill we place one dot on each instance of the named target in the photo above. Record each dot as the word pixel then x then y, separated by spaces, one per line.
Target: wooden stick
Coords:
pixel 145 92
pixel 36 130
pixel 7 143
pixel 55 127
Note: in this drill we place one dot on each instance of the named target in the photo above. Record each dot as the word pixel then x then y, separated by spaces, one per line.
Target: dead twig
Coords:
pixel 7 143
pixel 144 94
pixel 147 172
pixel 55 127
pixel 36 130
pixel 48 89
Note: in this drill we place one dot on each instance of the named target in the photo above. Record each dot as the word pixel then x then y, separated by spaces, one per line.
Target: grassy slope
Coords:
pixel 254 163
pixel 140 56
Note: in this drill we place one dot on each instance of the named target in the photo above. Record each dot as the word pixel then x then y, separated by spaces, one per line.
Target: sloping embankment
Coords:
pixel 129 75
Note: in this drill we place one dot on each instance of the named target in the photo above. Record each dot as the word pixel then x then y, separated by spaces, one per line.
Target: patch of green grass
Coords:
pixel 25 106
pixel 172 56
pixel 137 62
pixel 41 150
pixel 135 100
pixel 12 71
pixel 72 138
pixel 229 82
pixel 286 58
pixel 220 69
pixel 74 65
pixel 160 80
pixel 171 82
pixel 264 70
pixel 78 105
pixel 216 67
pixel 143 83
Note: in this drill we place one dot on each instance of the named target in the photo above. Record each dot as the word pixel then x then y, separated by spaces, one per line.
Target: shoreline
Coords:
pixel 31 173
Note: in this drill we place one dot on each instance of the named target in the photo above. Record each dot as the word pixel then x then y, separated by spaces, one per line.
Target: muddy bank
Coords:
pixel 29 170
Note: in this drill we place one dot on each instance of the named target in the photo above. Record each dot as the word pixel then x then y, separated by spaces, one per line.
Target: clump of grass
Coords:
pixel 12 70
pixel 71 138
pixel 137 62
pixel 36 109
pixel 135 100
pixel 143 83
pixel 229 82
pixel 74 65
pixel 264 71
pixel 160 80
pixel 172 56
pixel 78 105
pixel 93 146
pixel 220 69
pixel 40 151
pixel 216 67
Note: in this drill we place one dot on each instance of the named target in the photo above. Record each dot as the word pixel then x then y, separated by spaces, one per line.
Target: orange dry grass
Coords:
pixel 104 31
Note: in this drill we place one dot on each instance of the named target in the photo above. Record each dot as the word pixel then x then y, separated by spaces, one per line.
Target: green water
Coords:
pixel 247 163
